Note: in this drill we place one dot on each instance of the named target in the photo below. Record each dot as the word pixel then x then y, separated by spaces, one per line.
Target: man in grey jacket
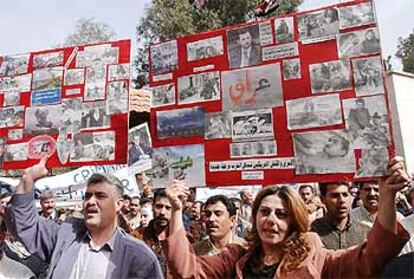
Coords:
pixel 91 248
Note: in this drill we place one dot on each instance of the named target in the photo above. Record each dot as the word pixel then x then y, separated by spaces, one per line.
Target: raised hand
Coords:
pixel 31 174
pixel 176 192
pixel 398 177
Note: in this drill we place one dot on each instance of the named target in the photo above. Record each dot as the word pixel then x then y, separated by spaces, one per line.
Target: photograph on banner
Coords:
pixel 217 125
pixel 244 46
pixel 64 146
pixel 12 65
pixel 292 69
pixel 41 146
pixel 12 116
pixel 330 76
pixel 139 146
pixel 15 134
pixel 312 112
pixel 71 116
pixel 357 43
pixel 323 152
pixel 253 149
pixel 95 91
pixel 185 162
pixel 199 88
pixel 47 79
pixel 252 125
pixel 280 51
pixel 99 146
pixel 42 120
pixel 117 97
pixel 94 115
pixel 97 55
pixel 16 152
pixel 96 74
pixel 367 122
pixel 356 15
pixel 206 48
pixel 164 57
pixel 186 122
pixel 118 72
pixel 11 98
pixel 20 83
pixel 74 76
pixel 266 33
pixel 318 26
pixel 163 95
pixel 284 30
pixel 46 97
pixel 252 88
pixel 373 162
pixel 46 60
pixel 368 76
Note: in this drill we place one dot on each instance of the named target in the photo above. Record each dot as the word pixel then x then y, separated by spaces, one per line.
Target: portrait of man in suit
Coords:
pixel 244 48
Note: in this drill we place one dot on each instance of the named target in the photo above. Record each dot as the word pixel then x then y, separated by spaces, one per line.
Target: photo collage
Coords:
pixel 266 92
pixel 60 103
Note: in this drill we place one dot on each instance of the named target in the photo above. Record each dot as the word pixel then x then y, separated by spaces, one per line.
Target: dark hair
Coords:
pixel 160 193
pixel 5 195
pixel 304 186
pixel 126 197
pixel 231 208
pixel 362 183
pixel 145 200
pixel 323 186
pixel 97 178
pixel 234 199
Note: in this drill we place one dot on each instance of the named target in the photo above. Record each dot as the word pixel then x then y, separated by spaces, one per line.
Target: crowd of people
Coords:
pixel 321 230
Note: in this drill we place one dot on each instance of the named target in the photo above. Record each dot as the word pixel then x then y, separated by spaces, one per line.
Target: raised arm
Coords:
pixel 38 234
pixel 181 255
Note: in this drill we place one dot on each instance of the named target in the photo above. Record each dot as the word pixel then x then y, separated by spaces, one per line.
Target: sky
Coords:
pixel 28 25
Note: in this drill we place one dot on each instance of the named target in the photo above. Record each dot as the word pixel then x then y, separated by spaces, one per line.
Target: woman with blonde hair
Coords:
pixel 280 244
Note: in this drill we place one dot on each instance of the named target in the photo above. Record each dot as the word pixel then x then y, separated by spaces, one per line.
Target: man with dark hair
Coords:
pixel 358 117
pixel 134 216
pixel 242 225
pixel 246 52
pixel 337 230
pixel 220 220
pixel 197 229
pixel 93 247
pixel 125 206
pixel 47 202
pixel 306 192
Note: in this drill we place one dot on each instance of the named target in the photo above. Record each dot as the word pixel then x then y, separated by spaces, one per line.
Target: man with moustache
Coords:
pixel 93 247
pixel 47 202
pixel 220 220
pixel 337 229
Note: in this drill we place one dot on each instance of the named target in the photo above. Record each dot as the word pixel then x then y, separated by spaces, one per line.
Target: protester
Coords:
pixel 197 225
pixel 220 221
pixel 125 206
pixel 337 229
pixel 134 216
pixel 47 202
pixel 307 193
pixel 242 225
pixel 93 247
pixel 246 208
pixel 282 247
pixel 146 217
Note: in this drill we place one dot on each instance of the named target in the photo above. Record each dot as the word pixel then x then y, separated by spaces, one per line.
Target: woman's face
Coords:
pixel 272 221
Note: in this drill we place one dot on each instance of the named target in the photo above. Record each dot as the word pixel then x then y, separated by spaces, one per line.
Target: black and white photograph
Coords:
pixel 312 112
pixel 20 83
pixel 117 97
pixel 252 125
pixel 367 122
pixel 46 60
pixel 318 26
pixel 202 87
pixel 323 152
pixel 71 115
pixel 41 146
pixel 368 76
pixel 42 120
pixel 99 55
pixel 217 125
pixel 74 76
pixel 356 15
pixel 373 163
pixel 95 91
pixel 118 72
pixel 99 146
pixel 164 57
pixel 12 65
pixel 12 116
pixel 330 76
pixel 94 115
pixel 244 46
pixel 292 69
pixel 96 74
pixel 16 152
pixel 252 88
pixel 253 149
pixel 206 48
pixel 47 79
pixel 186 122
pixel 163 95
pixel 64 147
pixel 15 134
pixel 357 43
pixel 11 98
pixel 139 145
pixel 284 30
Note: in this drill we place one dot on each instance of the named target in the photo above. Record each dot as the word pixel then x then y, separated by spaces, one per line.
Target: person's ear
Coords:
pixel 118 205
